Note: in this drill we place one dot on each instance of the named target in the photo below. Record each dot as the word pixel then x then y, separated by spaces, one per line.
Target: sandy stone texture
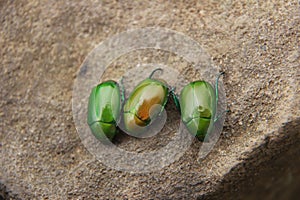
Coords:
pixel 43 44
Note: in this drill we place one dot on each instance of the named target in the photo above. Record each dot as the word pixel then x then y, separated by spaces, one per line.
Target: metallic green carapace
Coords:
pixel 198 106
pixel 144 104
pixel 197 101
pixel 104 109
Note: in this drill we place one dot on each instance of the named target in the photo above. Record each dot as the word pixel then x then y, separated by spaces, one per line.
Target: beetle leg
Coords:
pixel 122 90
pixel 175 98
pixel 217 87
pixel 152 73
pixel 220 115
pixel 217 96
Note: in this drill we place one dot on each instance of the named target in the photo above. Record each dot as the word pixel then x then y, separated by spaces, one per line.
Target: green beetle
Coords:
pixel 198 105
pixel 145 104
pixel 104 109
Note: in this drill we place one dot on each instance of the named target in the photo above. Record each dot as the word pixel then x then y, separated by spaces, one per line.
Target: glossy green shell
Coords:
pixel 144 104
pixel 104 108
pixel 198 108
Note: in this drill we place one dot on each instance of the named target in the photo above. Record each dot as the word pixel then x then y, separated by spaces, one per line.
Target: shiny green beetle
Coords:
pixel 198 104
pixel 104 109
pixel 144 104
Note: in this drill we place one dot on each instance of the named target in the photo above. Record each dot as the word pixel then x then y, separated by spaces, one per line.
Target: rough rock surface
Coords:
pixel 43 43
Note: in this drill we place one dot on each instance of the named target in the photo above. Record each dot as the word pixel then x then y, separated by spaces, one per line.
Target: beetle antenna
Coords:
pixel 152 73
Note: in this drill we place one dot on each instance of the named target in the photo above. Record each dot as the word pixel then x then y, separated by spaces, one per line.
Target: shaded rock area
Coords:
pixel 43 44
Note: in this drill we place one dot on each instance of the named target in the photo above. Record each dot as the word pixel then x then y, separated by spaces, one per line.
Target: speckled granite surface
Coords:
pixel 43 43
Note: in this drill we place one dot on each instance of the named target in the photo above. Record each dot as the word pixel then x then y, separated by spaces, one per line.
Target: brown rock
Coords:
pixel 43 43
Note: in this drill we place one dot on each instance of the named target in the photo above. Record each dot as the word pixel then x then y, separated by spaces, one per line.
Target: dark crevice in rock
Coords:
pixel 3 192
pixel 271 171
